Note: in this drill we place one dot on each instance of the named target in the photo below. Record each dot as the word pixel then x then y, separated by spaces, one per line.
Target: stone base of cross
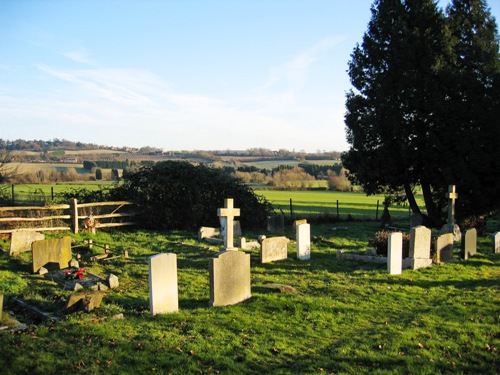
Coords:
pixel 229 212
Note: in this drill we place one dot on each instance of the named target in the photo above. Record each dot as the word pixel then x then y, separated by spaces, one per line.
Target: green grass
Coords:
pixel 347 317
pixel 309 203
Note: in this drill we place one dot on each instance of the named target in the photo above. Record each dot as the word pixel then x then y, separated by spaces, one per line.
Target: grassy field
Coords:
pixel 345 317
pixel 354 205
pixel 270 164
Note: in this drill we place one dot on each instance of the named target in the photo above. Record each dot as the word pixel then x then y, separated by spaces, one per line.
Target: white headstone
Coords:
pixel 395 253
pixel 228 212
pixel 163 291
pixel 496 242
pixel 304 241
pixel 468 245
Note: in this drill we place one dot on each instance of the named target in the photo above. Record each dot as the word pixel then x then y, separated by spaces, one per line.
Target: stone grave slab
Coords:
pixel 274 248
pixel 53 254
pixel 468 244
pixel 21 240
pixel 496 243
pixel 420 242
pixel 395 253
pixel 444 248
pixel 86 301
pixel 276 224
pixel 229 273
pixel 163 289
pixel 303 241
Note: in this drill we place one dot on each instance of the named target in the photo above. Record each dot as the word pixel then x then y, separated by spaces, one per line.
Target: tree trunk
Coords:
pixel 411 199
pixel 430 206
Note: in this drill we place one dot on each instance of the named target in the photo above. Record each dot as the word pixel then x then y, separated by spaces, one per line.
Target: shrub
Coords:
pixel 381 239
pixel 179 195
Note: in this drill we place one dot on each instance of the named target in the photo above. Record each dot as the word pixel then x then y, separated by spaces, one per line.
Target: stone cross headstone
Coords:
pixel 444 247
pixel 229 212
pixel 452 196
pixel 229 273
pixel 21 240
pixel 274 248
pixel 52 254
pixel 395 253
pixel 420 247
pixel 163 290
pixel 468 245
pixel 303 241
pixel 496 242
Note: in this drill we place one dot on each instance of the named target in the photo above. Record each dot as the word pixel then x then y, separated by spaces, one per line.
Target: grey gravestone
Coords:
pixel 21 240
pixel 163 290
pixel 420 247
pixel 208 232
pixel 304 241
pixel 496 242
pixel 276 224
pixel 274 248
pixel 53 254
pixel 468 245
pixel 444 247
pixel 84 301
pixel 395 253
pixel 229 273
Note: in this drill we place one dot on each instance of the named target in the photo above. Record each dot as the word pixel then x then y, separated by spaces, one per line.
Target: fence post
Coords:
pixel 52 192
pixel 338 216
pixel 74 214
pixel 13 196
pixel 291 208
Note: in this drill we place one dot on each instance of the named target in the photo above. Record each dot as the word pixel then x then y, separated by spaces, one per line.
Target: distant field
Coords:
pixel 357 205
pixel 270 164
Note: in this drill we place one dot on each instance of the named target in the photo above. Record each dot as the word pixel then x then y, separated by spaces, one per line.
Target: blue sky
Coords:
pixel 180 75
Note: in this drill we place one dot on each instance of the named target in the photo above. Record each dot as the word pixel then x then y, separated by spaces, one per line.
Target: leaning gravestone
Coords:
pixel 496 243
pixel 444 247
pixel 229 278
pixel 304 241
pixel 468 245
pixel 395 253
pixel 86 301
pixel 163 291
pixel 274 248
pixel 420 247
pixel 52 254
pixel 21 240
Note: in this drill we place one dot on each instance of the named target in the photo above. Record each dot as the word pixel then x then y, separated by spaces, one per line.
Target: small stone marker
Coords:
pixel 229 212
pixel 53 254
pixel 468 245
pixel 304 241
pixel 444 247
pixel 21 240
pixel 163 290
pixel 420 247
pixel 395 253
pixel 208 232
pixel 274 248
pixel 496 243
pixel 276 224
pixel 84 301
pixel 229 273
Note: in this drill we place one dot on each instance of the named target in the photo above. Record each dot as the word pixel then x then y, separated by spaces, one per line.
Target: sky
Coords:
pixel 180 74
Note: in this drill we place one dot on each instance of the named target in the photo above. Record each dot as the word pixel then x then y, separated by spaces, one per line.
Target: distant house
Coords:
pixel 70 160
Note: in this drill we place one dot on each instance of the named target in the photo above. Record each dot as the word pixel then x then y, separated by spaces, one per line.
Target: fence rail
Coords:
pixel 77 216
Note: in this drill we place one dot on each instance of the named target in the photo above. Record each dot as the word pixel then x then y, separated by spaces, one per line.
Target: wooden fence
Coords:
pixel 66 217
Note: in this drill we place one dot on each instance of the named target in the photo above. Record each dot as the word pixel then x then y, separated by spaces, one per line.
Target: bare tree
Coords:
pixel 7 169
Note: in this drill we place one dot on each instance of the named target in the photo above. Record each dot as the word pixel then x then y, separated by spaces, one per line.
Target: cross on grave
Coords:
pixel 452 195
pixel 229 212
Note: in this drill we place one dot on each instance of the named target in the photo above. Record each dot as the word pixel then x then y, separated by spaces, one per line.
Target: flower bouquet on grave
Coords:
pixel 74 274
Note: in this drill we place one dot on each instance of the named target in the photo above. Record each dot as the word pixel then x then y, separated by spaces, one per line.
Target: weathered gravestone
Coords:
pixel 208 232
pixel 229 270
pixel 52 254
pixel 86 301
pixel 163 290
pixel 420 247
pixel 276 224
pixel 21 240
pixel 274 248
pixel 229 278
pixel 444 248
pixel 303 241
pixel 468 245
pixel 496 243
pixel 395 253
